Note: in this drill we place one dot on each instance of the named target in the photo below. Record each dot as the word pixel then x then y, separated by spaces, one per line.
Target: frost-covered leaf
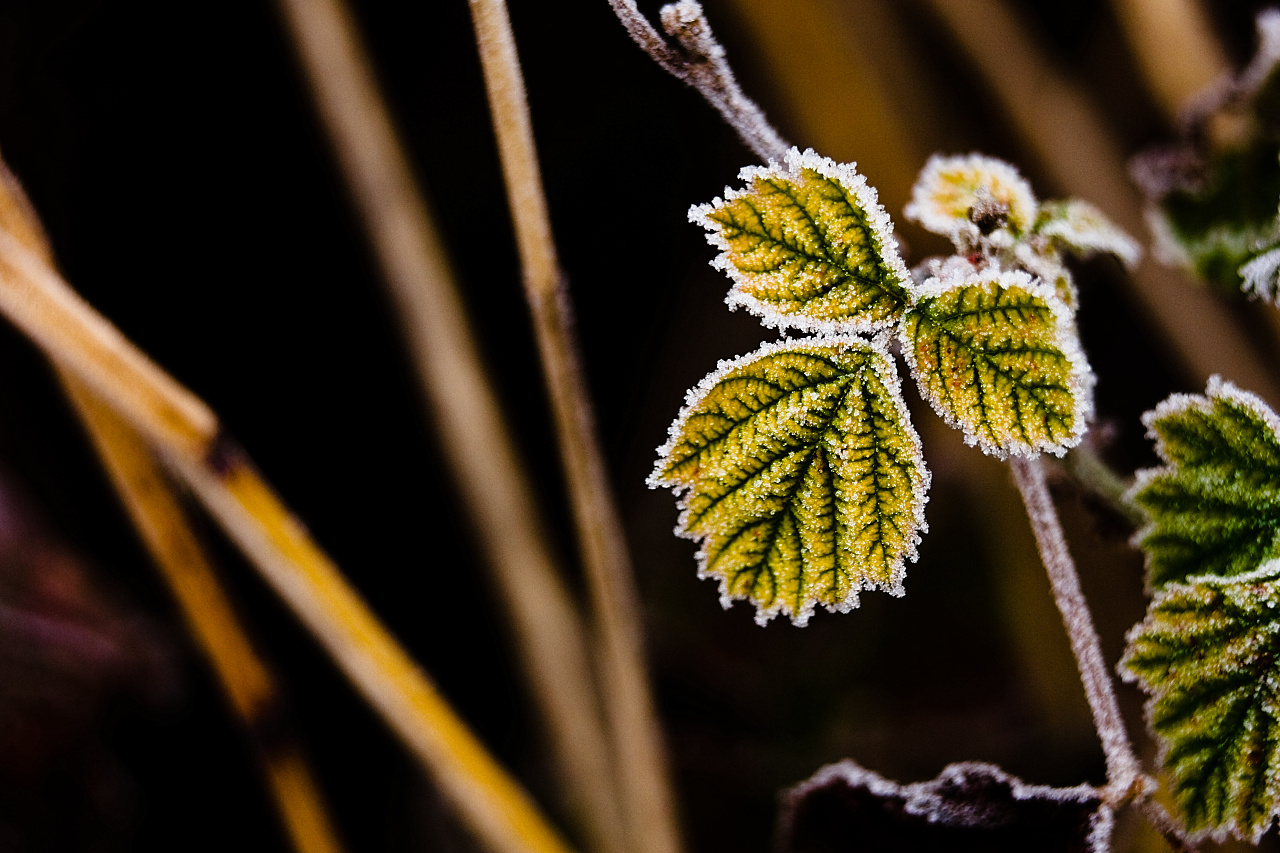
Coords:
pixel 1208 654
pixel 808 247
pixel 970 808
pixel 996 354
pixel 965 196
pixel 1259 276
pixel 1215 504
pixel 1079 227
pixel 800 474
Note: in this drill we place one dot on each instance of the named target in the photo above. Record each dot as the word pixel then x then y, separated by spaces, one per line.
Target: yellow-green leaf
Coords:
pixel 800 475
pixel 808 247
pixel 996 354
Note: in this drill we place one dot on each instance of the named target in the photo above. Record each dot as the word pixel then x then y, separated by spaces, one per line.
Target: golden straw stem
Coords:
pixel 489 800
pixel 497 491
pixel 492 803
pixel 639 756
pixel 157 513
pixel 1063 130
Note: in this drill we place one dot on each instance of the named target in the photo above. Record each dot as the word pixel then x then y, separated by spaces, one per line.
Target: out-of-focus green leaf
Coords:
pixel 800 474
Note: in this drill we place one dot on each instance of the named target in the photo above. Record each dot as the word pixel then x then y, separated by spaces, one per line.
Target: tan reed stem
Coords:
pixel 77 338
pixel 495 487
pixel 639 755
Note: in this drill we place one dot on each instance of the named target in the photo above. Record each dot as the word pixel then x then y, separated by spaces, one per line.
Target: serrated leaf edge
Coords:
pixel 1172 405
pixel 887 369
pixel 845 174
pixel 1266 572
pixel 1081 379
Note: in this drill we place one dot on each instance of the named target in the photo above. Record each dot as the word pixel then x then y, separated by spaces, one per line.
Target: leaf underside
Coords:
pixel 801 476
pixel 1207 654
pixel 996 358
pixel 970 808
pixel 1215 505
pixel 808 247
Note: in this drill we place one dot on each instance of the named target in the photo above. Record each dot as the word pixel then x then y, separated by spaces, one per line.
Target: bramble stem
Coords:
pixel 639 757
pixel 495 487
pixel 699 61
pixel 1123 769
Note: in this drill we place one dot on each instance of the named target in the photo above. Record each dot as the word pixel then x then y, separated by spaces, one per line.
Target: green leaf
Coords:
pixel 808 247
pixel 1215 504
pixel 1079 227
pixel 1208 654
pixel 996 354
pixel 800 475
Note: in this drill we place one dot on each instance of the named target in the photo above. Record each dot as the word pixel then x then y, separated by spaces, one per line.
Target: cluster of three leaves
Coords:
pixel 800 472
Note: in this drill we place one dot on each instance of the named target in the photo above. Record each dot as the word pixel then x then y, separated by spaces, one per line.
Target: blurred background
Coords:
pixel 191 196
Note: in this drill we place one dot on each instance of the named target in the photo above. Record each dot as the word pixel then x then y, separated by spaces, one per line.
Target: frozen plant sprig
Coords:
pixel 797 466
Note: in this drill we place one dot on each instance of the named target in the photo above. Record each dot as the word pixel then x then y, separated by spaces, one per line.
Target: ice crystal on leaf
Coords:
pixel 808 246
pixel 800 474
pixel 995 354
pixel 1215 504
pixel 1208 653
pixel 1260 276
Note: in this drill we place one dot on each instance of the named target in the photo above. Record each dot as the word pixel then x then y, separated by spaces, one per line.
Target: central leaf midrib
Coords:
pixel 986 356
pixel 886 286
pixel 843 373
pixel 733 489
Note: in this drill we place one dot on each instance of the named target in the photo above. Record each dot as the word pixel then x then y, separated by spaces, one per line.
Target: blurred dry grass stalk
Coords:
pixel 598 708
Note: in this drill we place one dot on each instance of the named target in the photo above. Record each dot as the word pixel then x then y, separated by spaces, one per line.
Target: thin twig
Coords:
pixel 87 345
pixel 699 61
pixel 1064 131
pixel 495 487
pixel 159 517
pixel 639 756
pixel 1123 768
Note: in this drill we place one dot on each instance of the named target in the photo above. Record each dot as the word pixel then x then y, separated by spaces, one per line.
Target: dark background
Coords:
pixel 173 154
